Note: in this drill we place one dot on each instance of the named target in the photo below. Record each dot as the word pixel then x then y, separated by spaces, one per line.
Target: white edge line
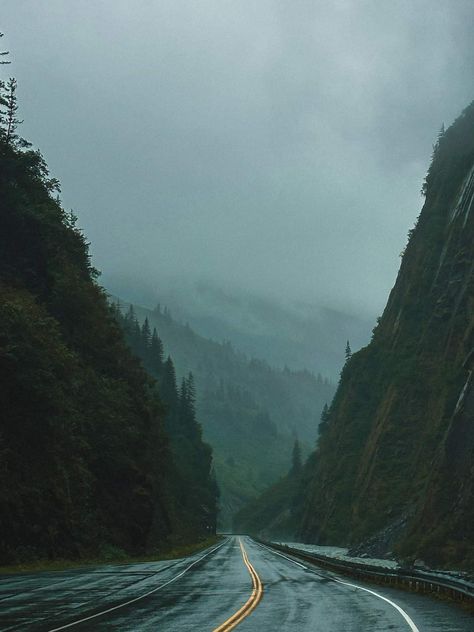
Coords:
pixel 281 555
pixel 126 603
pixel 407 618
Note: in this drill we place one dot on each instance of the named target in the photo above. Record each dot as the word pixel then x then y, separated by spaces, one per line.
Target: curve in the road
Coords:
pixel 407 617
pixel 130 601
pixel 251 603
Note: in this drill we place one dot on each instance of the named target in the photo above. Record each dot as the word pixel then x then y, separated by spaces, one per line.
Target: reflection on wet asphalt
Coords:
pixel 200 593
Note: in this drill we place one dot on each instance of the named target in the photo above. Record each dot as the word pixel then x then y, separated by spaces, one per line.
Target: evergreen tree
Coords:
pixel 3 112
pixel 191 393
pixel 348 351
pixel 432 168
pixel 132 330
pixel 156 354
pixel 296 462
pixel 146 334
pixel 144 343
pixel 187 409
pixel 324 419
pixel 11 109
pixel 183 405
pixel 168 389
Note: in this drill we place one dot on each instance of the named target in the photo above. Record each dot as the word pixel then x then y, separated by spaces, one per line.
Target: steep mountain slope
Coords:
pixel 85 462
pixel 293 399
pixel 395 464
pixel 192 478
pixel 278 511
pixel 250 412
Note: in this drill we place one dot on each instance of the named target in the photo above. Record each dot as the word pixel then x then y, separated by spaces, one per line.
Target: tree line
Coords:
pixel 194 477
pixel 96 456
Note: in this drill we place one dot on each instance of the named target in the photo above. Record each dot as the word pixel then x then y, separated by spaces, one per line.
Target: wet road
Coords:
pixel 204 591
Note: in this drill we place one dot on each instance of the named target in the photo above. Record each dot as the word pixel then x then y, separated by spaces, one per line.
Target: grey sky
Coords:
pixel 275 146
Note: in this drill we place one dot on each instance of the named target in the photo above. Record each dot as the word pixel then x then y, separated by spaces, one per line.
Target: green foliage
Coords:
pixel 250 452
pixel 290 398
pixel 396 446
pixel 86 465
pixel 78 421
pixel 250 412
pixel 296 463
pixel 348 351
pixel 277 512
pixel 192 481
pixel 393 465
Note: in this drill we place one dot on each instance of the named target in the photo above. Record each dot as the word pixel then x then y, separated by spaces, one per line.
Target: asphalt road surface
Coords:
pixel 237 584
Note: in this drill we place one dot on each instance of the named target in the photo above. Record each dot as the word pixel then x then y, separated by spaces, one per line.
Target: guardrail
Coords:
pixel 411 579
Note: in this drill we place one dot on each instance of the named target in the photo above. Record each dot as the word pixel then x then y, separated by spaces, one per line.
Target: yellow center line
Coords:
pixel 251 603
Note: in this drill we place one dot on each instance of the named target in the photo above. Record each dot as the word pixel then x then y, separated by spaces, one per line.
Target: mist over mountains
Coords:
pixel 250 413
pixel 296 335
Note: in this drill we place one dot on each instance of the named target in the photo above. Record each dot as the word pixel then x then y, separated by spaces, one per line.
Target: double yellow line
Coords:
pixel 251 603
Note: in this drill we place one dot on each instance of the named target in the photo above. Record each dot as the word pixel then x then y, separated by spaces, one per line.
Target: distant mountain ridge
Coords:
pixel 250 412
pixel 298 335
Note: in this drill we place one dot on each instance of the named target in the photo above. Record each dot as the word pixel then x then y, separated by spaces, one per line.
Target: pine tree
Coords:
pixel 146 333
pixel 133 331
pixel 432 168
pixel 168 390
pixel 11 108
pixel 324 419
pixel 3 100
pixel 187 410
pixel 144 343
pixel 156 354
pixel 296 463
pixel 3 113
pixel 191 391
pixel 183 402
pixel 348 351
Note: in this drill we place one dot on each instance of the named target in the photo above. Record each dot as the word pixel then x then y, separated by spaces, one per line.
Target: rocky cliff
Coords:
pixel 395 465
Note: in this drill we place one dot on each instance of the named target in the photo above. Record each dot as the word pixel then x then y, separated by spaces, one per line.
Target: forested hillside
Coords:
pixel 250 412
pixel 192 477
pixel 392 473
pixel 294 399
pixel 87 467
pixel 277 512
pixel 394 468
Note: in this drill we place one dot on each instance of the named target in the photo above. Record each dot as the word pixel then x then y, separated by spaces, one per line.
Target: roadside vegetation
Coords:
pixel 91 457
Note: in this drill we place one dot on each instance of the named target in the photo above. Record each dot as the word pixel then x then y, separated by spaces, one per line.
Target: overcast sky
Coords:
pixel 277 146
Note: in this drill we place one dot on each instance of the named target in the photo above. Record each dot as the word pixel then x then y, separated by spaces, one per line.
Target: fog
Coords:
pixel 271 147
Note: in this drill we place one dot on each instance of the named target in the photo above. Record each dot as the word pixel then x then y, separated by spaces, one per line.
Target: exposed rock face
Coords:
pixel 399 446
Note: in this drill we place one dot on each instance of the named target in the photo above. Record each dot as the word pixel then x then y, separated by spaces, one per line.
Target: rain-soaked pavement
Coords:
pixel 203 591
